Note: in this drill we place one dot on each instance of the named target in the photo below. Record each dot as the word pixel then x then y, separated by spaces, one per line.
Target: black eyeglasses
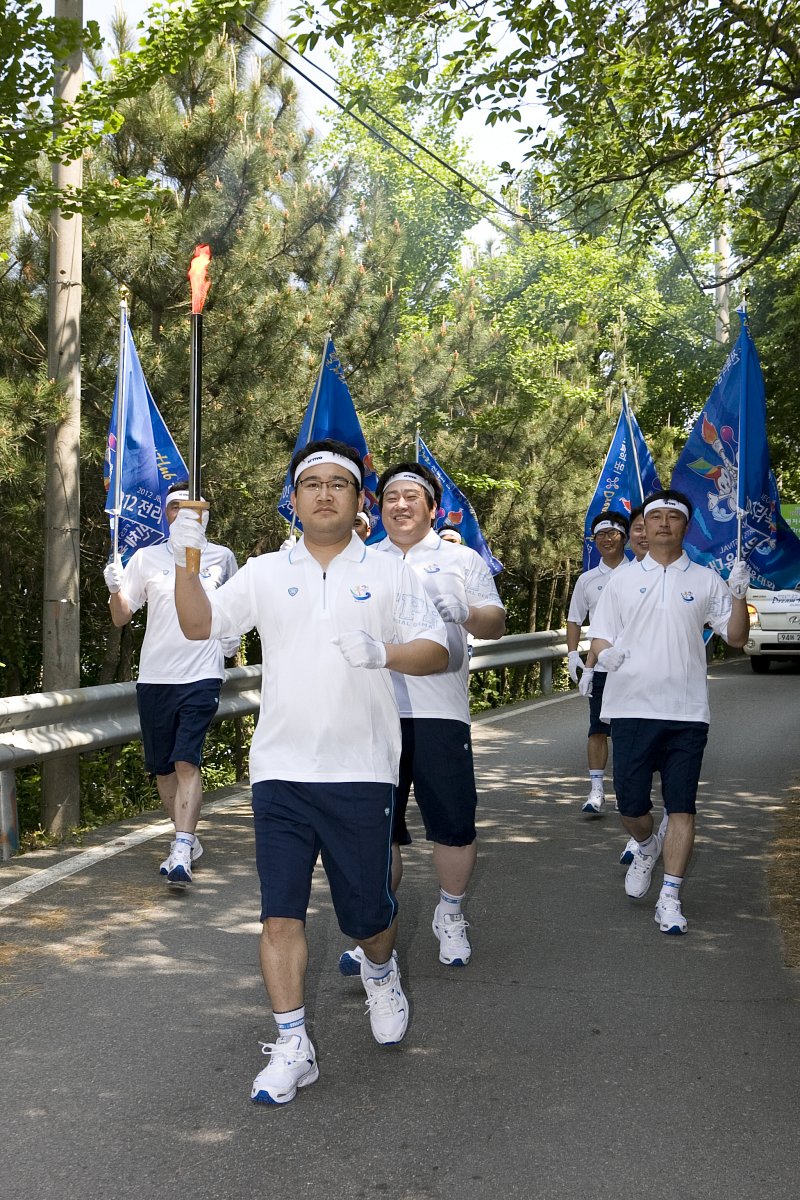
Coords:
pixel 315 486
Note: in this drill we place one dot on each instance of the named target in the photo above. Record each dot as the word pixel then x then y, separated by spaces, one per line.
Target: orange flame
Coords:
pixel 198 277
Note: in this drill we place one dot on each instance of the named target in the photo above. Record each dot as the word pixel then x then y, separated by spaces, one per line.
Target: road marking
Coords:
pixel 525 709
pixel 39 880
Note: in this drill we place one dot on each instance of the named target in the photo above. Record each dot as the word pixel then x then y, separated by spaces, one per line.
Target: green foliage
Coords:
pixel 33 124
pixel 640 101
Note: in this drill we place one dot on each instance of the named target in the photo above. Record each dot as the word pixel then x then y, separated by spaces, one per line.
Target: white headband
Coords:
pixel 180 494
pixel 410 477
pixel 666 504
pixel 325 456
pixel 362 516
pixel 608 525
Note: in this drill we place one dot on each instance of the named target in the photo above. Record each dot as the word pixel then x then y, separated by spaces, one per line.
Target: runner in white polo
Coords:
pixel 178 683
pixel 610 533
pixel 437 748
pixel 324 610
pixel 647 631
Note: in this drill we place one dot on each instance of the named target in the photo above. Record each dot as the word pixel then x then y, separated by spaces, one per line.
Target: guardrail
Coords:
pixel 78 720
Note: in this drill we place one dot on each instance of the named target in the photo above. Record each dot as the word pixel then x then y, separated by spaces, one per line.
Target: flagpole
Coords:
pixel 740 476
pixel 122 399
pixel 416 445
pixel 632 443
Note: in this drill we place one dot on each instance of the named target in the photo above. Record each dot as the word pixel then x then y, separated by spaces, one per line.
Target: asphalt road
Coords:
pixel 582 1054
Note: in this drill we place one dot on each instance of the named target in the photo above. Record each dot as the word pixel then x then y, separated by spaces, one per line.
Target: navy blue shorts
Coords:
pixel 437 758
pixel 596 703
pixel 351 825
pixel 641 747
pixel 175 718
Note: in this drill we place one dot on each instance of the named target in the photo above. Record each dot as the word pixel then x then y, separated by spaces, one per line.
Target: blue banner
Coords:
pixel 332 414
pixel 724 469
pixel 151 462
pixel 457 510
pixel 628 475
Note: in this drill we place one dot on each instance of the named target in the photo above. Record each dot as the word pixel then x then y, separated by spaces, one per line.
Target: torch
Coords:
pixel 200 283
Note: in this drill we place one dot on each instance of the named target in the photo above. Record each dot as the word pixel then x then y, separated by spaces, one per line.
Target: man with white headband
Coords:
pixel 334 619
pixel 647 631
pixel 610 533
pixel 179 681
pixel 434 711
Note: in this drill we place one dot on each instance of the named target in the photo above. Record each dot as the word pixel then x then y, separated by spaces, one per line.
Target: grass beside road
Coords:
pixel 784 877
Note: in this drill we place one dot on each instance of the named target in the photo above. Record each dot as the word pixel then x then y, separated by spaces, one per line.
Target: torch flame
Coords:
pixel 709 431
pixel 199 278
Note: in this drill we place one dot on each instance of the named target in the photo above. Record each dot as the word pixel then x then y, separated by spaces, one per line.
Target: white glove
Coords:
pixel 452 607
pixel 611 659
pixel 585 684
pixel 113 576
pixel 186 531
pixel 574 665
pixel 361 650
pixel 739 579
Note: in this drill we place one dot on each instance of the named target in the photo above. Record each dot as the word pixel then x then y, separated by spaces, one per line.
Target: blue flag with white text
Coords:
pixel 724 469
pixel 150 460
pixel 457 510
pixel 332 414
pixel 628 475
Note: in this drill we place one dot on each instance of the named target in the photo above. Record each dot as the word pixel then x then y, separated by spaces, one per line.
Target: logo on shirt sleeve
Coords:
pixel 293 591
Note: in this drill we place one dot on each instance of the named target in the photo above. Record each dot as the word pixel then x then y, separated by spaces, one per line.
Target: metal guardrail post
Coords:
pixel 9 823
pixel 546 675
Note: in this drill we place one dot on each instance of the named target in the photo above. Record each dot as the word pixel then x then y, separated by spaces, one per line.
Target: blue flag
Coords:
pixel 628 475
pixel 457 510
pixel 332 414
pixel 150 460
pixel 724 469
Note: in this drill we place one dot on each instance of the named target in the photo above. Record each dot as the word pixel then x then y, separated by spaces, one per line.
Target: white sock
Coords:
pixel 597 779
pixel 376 972
pixel 186 838
pixel 649 846
pixel 293 1022
pixel 449 904
pixel 671 887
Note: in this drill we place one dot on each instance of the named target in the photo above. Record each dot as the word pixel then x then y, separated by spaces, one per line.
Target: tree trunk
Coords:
pixel 61 617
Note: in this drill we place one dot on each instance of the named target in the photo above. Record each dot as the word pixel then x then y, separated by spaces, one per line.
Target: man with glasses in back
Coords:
pixel 334 619
pixel 610 533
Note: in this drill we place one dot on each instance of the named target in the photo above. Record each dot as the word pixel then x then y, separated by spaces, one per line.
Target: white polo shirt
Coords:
pixel 586 593
pixel 657 614
pixel 442 566
pixel 321 720
pixel 167 656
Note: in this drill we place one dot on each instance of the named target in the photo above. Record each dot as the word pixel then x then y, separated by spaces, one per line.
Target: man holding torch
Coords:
pixel 334 620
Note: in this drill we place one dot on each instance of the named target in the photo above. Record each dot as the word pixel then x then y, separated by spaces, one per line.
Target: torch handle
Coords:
pixel 192 553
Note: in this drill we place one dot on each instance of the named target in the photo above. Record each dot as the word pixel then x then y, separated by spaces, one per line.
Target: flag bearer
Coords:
pixel 179 681
pixel 647 632
pixel 334 618
pixel 610 533
pixel 434 711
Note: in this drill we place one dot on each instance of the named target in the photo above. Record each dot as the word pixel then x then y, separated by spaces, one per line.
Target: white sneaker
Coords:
pixel 178 867
pixel 451 930
pixel 626 858
pixel 595 801
pixel 350 962
pixel 197 851
pixel 292 1065
pixel 388 1006
pixel 669 917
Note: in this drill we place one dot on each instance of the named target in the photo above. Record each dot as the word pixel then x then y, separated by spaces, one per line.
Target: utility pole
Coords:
pixel 722 259
pixel 61 617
